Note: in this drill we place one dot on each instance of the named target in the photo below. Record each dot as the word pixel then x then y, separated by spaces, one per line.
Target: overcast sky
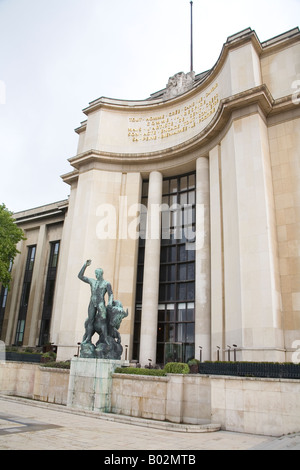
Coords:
pixel 56 56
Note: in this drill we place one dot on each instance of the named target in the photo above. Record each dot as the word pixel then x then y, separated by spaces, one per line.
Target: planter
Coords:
pixel 194 369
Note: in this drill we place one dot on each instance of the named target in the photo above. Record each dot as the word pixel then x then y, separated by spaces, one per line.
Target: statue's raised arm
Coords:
pixel 81 275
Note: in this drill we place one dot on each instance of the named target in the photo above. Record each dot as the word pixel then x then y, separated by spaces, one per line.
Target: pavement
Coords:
pixel 29 425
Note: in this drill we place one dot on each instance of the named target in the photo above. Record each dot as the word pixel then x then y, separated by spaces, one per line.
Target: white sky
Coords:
pixel 56 56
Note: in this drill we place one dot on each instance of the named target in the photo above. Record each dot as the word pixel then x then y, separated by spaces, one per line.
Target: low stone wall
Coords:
pixel 35 382
pixel 175 398
pixel 249 405
pixel 256 406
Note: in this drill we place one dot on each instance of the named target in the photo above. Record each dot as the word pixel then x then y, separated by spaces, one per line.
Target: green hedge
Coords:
pixel 57 365
pixel 137 371
pixel 176 368
pixel 170 368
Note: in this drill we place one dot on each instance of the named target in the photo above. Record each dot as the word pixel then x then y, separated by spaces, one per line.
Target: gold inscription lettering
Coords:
pixel 175 122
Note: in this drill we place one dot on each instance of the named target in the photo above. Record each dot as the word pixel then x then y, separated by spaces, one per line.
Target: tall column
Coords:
pixel 151 271
pixel 202 312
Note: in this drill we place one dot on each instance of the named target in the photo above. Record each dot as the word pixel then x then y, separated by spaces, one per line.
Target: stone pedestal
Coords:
pixel 90 384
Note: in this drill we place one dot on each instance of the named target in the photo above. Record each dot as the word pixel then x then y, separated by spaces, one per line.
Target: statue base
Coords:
pixel 110 350
pixel 90 384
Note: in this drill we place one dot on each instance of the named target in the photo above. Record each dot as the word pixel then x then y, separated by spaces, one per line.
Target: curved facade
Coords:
pixel 189 201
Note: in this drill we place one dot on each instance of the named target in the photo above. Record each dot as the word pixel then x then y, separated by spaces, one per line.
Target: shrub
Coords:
pixel 176 368
pixel 193 362
pixel 57 365
pixel 138 371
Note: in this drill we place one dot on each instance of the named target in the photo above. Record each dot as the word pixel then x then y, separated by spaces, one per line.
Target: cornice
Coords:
pixel 52 211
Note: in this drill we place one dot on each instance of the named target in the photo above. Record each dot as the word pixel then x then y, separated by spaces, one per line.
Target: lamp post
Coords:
pixel 229 349
pixel 234 351
pixel 200 347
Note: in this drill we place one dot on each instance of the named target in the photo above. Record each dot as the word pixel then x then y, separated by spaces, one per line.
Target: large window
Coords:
pixel 176 309
pixel 25 295
pixel 49 293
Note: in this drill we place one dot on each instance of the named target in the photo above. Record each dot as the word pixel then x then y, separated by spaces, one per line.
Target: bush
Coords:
pixel 57 365
pixel 138 371
pixel 170 368
pixel 193 362
pixel 176 368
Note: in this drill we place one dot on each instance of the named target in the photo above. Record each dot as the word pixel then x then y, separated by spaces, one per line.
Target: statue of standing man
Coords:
pixel 97 307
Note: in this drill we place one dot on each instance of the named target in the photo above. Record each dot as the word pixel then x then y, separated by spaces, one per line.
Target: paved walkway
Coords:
pixel 25 424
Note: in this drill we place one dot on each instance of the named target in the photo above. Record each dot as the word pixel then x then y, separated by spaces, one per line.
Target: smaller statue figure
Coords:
pixel 102 319
pixel 178 84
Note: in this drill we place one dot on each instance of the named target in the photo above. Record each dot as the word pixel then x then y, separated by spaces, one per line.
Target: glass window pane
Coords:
pixel 139 292
pixel 161 314
pixel 192 197
pixel 181 316
pixel 171 292
pixel 190 333
pixel 182 292
pixel 145 189
pixel 163 273
pixel 161 332
pixel 31 256
pixel 138 315
pixel 192 181
pixel 173 186
pixel 184 183
pixel 191 271
pixel 172 254
pixel 190 313
pixel 189 352
pixel 191 291
pixel 166 187
pixel 164 254
pixel 160 352
pixel 172 272
pixel 137 330
pixel 169 332
pixel 162 293
pixel 181 327
pixel 141 256
pixel 182 253
pixel 140 273
pixel 182 272
pixel 170 313
pixel 183 198
pixel 191 255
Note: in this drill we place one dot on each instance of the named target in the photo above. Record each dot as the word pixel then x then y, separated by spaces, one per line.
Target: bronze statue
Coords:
pixel 102 319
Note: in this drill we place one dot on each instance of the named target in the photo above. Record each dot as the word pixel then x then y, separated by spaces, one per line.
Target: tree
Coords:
pixel 10 235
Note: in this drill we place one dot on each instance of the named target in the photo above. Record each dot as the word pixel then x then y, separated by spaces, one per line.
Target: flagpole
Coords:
pixel 192 65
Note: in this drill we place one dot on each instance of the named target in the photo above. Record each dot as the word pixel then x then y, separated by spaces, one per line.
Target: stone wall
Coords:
pixel 175 398
pixel 256 406
pixel 247 405
pixel 35 382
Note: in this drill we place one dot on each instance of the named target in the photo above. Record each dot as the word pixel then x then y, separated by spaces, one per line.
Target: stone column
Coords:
pixel 151 271
pixel 202 311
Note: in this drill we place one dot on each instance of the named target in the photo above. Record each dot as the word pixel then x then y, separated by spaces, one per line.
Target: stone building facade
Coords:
pixel 190 202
